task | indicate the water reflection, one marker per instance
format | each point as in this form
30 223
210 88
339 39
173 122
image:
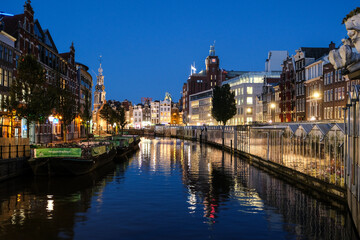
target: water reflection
170 189
41 208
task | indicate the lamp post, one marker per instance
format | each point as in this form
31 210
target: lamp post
272 106
51 119
316 97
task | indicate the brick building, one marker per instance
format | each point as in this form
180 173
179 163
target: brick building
204 80
335 93
31 38
314 89
287 91
303 57
8 63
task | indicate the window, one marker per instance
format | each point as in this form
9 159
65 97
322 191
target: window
10 56
6 77
10 78
331 94
249 90
336 94
249 100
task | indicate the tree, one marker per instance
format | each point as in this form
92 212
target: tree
107 114
86 113
66 107
29 96
223 105
122 119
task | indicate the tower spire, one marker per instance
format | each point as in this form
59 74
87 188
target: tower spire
212 50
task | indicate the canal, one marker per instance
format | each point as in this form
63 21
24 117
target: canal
169 189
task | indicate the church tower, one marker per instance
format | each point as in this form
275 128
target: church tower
99 94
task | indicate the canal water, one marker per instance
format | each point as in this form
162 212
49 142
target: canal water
169 189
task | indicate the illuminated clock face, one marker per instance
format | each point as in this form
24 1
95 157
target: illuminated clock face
213 60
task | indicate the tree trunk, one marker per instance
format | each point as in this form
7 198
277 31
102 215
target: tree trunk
28 128
223 136
64 133
39 132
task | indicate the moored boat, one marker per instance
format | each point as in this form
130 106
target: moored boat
74 159
125 145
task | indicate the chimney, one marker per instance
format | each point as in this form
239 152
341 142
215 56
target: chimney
331 46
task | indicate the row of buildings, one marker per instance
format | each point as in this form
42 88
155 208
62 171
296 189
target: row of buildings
143 115
22 34
301 87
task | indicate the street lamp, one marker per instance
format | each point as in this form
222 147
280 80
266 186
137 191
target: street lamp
51 119
272 106
316 97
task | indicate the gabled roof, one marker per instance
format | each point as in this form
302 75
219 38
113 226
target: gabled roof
11 23
52 44
341 126
314 52
307 127
293 127
323 127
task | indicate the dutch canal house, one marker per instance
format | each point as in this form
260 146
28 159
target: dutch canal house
347 58
30 38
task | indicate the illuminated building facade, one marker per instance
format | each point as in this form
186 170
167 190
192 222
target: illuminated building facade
8 64
31 38
247 87
200 109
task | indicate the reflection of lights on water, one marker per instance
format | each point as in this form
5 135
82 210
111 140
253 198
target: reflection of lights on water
50 205
192 202
189 157
18 217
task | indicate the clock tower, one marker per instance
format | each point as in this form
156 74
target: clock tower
99 94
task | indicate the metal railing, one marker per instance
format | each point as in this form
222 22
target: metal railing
14 151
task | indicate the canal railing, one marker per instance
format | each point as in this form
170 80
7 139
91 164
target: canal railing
14 153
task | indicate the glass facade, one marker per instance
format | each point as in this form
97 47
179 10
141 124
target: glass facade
316 150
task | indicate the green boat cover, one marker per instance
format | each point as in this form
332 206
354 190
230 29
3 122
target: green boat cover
96 151
57 152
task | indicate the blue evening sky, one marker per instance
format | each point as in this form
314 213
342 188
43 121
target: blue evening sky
149 45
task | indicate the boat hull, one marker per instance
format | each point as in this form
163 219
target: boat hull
58 166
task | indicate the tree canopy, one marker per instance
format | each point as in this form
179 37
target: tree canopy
223 104
29 96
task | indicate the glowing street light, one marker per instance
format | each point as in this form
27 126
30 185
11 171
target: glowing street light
316 95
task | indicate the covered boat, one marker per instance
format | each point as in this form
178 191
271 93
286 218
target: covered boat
74 159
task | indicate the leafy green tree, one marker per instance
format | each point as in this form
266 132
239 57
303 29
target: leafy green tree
121 118
107 113
66 107
223 105
86 113
29 97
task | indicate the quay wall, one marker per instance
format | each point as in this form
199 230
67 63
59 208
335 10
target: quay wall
14 153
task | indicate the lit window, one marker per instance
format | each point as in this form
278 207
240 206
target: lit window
249 100
249 90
